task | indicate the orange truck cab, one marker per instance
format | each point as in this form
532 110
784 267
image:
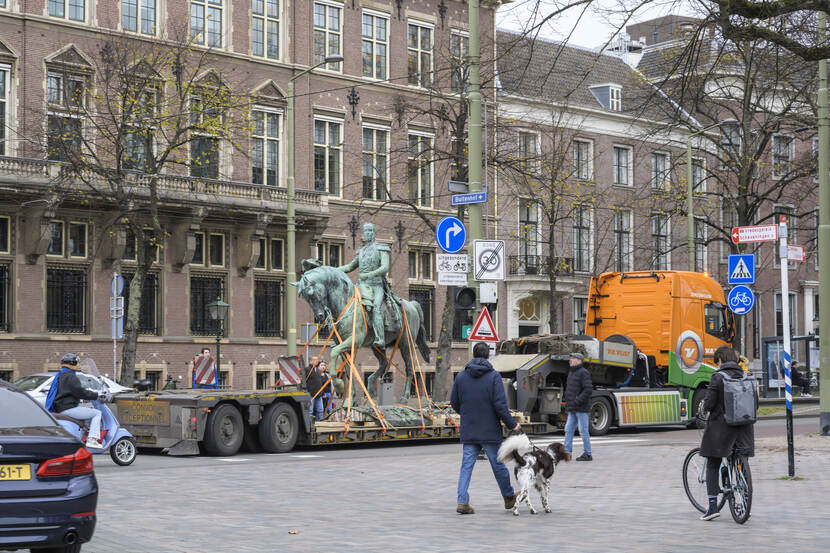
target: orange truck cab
677 318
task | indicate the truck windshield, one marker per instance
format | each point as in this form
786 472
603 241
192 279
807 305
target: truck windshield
715 315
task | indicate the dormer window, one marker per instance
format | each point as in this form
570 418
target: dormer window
615 98
609 95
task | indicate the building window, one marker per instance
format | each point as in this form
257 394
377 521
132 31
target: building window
660 241
73 242
329 253
583 159
779 315
5 288
782 155
580 314
204 149
375 45
659 170
701 253
77 239
459 49
217 250
5 235
271 256
425 297
199 250
622 240
327 147
66 300
265 151
615 98
622 166
56 234
74 10
139 16
265 28
268 304
327 33
66 95
419 51
699 174
529 235
582 222
420 265
419 164
205 290
210 250
528 152
4 103
131 247
375 161
148 311
206 22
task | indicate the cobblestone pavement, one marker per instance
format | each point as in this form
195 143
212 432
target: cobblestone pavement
402 498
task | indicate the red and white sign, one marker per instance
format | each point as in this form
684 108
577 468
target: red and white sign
795 253
204 370
484 330
760 233
290 372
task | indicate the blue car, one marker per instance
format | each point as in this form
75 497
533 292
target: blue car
48 491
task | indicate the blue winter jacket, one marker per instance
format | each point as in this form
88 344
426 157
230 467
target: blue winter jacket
478 396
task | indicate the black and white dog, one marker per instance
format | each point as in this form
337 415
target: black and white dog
534 467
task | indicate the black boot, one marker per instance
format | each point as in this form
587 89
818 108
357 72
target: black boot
712 511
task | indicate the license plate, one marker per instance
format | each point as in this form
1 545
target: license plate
15 472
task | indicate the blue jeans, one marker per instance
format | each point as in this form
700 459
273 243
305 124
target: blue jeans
468 462
317 407
581 419
93 416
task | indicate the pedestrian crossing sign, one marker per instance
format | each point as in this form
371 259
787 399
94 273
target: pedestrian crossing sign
742 268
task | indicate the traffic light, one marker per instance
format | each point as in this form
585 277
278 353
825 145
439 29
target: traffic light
465 299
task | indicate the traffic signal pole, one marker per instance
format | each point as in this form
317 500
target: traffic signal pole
474 164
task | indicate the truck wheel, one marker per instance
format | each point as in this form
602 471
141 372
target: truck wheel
599 420
698 397
223 434
279 428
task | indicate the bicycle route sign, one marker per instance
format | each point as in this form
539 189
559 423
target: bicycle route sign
453 262
741 299
742 268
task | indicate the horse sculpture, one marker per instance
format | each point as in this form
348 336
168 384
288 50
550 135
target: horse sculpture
328 291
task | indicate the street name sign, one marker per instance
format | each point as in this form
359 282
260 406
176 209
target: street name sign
488 259
760 233
471 198
458 187
484 330
742 269
741 299
450 234
795 253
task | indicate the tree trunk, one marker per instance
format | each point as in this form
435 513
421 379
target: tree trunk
144 256
443 359
552 268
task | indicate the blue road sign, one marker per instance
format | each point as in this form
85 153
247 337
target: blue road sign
741 299
450 234
471 198
742 268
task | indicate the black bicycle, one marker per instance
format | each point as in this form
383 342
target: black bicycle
735 484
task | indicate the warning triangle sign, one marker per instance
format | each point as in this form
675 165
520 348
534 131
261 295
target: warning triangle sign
741 271
484 330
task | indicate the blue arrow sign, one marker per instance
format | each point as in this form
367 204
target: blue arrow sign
450 234
471 198
741 299
742 269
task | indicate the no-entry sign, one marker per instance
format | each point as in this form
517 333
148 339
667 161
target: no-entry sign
760 233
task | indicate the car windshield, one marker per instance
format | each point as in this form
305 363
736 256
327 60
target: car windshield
19 410
29 383
89 382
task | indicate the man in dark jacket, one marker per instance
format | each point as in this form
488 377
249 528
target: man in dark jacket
578 390
478 396
720 439
315 379
66 397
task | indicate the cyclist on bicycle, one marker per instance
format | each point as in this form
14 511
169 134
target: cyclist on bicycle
720 439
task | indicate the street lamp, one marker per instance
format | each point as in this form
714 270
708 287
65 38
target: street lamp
690 217
291 292
218 310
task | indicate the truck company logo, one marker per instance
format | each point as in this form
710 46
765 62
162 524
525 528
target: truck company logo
689 351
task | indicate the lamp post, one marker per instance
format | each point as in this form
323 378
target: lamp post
690 217
291 292
823 236
218 310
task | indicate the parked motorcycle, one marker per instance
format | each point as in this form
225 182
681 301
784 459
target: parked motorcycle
116 440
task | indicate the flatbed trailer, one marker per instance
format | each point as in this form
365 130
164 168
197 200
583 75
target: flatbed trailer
221 422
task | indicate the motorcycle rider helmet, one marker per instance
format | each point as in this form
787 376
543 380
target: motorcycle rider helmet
70 359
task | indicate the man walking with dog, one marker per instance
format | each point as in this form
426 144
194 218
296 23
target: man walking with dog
478 396
578 390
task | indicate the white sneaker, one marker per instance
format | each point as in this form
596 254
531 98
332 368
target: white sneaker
93 443
806 395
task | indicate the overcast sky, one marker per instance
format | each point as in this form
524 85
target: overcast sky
594 26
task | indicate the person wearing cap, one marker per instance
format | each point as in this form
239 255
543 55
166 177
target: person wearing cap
578 389
65 395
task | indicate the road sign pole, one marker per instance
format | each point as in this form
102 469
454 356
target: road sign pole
785 318
824 235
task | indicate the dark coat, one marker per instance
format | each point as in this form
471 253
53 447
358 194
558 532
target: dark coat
578 390
719 438
314 381
70 392
478 396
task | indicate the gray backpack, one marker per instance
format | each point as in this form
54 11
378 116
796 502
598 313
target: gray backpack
740 404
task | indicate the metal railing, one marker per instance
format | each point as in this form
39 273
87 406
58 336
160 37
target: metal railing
539 265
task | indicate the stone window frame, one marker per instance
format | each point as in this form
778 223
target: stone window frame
629 168
419 52
375 153
266 138
139 28
374 41
419 159
66 227
267 255
327 5
339 147
65 6
207 5
265 17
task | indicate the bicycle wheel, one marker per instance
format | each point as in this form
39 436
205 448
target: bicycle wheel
740 498
694 479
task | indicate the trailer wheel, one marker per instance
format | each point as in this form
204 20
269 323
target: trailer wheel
698 398
224 431
279 428
599 420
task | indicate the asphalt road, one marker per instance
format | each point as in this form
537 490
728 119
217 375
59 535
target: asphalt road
402 497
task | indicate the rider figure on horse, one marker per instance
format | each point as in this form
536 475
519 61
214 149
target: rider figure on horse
373 261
